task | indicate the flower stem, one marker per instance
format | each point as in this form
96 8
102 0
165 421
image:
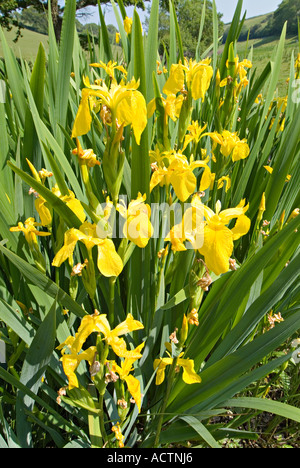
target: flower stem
111 311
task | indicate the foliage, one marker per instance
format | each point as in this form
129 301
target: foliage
271 24
289 11
10 13
189 17
127 319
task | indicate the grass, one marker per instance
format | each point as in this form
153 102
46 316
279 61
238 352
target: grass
263 49
262 53
258 22
27 45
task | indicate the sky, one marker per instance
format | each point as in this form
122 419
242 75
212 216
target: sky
227 7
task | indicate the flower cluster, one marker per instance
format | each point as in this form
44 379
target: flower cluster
73 354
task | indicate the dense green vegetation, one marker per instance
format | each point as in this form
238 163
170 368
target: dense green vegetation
271 24
141 337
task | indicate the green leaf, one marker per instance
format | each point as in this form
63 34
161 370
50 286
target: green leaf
34 276
65 64
140 182
175 26
34 367
10 316
57 204
15 79
197 55
289 150
179 297
105 36
226 371
264 303
264 404
202 430
81 398
124 39
37 83
231 37
12 380
276 67
151 48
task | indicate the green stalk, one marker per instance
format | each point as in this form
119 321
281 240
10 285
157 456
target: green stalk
93 200
111 311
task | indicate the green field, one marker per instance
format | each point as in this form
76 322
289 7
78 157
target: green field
262 52
27 45
264 46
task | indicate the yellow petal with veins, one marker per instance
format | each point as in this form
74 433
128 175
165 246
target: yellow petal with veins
129 325
109 262
134 388
217 247
70 241
175 82
83 118
241 227
189 375
184 183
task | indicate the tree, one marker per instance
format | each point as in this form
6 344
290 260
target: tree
30 18
188 14
288 10
9 9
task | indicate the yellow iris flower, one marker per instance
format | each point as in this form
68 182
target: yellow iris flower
208 233
86 157
218 238
110 68
137 227
172 106
109 262
127 25
45 211
189 375
230 144
132 382
196 133
198 77
190 229
30 231
71 201
238 149
179 173
71 361
96 323
224 180
239 71
125 103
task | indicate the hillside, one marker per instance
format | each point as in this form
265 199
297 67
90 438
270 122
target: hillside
27 45
263 46
257 25
262 52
